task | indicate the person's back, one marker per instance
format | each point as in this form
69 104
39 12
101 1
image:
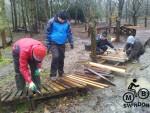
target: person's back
136 50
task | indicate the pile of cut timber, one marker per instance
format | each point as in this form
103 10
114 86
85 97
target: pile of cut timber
112 55
60 86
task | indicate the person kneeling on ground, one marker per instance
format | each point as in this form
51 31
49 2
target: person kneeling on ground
28 51
102 43
133 48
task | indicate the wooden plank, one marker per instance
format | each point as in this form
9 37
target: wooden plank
85 77
98 69
48 88
102 77
107 67
67 83
77 82
18 94
112 58
53 87
62 84
57 85
12 96
72 83
6 96
92 83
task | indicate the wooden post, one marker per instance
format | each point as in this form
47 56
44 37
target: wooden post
3 36
1 109
93 42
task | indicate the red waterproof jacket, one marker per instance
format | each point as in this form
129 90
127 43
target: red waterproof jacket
26 46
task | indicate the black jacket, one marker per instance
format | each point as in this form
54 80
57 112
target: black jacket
103 42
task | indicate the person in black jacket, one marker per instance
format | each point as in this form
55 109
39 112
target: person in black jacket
102 43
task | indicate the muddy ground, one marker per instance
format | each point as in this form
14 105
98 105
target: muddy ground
109 100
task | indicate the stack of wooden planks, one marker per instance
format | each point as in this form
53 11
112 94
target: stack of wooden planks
51 88
111 55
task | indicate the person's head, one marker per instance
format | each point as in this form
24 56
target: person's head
39 52
134 80
62 16
130 40
104 34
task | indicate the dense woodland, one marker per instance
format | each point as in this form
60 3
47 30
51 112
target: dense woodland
31 15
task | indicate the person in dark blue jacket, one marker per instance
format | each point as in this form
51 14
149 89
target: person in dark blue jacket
102 43
58 33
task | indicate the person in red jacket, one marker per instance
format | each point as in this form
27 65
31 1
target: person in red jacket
28 52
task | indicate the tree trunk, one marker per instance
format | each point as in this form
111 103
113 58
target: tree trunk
23 15
93 42
3 35
12 14
134 18
15 15
118 30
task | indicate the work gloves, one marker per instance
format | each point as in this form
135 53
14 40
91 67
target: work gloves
32 86
37 72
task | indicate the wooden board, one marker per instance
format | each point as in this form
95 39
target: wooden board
112 55
96 84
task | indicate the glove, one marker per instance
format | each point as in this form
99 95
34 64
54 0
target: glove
37 72
32 86
71 46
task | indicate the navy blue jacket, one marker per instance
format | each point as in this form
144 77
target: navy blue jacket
103 42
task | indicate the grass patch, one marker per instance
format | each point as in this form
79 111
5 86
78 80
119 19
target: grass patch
5 61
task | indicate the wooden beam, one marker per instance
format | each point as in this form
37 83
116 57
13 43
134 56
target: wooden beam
107 67
101 76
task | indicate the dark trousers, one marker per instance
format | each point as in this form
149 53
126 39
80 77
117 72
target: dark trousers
20 81
58 55
101 49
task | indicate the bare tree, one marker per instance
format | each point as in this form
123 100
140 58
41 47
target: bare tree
134 8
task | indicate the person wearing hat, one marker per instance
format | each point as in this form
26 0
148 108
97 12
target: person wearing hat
28 52
58 32
133 48
102 43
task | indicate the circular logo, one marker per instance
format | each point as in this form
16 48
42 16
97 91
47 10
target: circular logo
143 93
128 97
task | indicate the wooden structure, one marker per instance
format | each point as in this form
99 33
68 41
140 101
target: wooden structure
63 85
107 29
112 55
128 29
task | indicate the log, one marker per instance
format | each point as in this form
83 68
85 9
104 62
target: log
107 67
87 82
102 77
